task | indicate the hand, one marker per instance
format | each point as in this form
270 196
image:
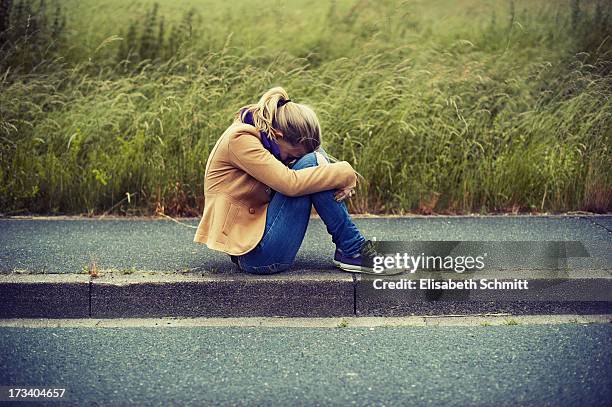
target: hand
342 194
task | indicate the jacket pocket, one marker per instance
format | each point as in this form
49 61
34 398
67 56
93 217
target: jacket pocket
230 219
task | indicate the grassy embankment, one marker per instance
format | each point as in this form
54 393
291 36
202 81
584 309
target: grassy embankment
444 106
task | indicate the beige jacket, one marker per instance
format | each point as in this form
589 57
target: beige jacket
239 176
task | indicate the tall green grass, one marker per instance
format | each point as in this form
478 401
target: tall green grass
444 106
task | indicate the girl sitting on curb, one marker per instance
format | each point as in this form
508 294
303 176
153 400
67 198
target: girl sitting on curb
261 179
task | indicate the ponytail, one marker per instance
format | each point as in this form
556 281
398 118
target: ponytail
297 122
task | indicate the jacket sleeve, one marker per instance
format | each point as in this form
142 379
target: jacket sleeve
247 153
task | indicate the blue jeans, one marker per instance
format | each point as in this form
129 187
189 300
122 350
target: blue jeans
286 222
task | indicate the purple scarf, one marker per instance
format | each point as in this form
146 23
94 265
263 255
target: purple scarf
270 145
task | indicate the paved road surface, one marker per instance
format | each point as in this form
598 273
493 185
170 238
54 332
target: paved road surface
541 365
67 246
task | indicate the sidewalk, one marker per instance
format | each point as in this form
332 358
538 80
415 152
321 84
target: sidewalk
150 268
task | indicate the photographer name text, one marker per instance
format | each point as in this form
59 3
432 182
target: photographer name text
449 284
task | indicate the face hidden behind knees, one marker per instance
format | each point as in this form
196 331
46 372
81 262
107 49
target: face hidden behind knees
290 152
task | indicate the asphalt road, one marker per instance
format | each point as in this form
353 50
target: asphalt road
68 246
542 365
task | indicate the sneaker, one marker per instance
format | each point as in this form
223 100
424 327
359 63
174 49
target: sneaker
354 264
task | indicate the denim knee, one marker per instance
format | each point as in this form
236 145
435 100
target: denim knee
308 160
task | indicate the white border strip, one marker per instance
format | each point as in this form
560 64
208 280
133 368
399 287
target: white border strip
482 320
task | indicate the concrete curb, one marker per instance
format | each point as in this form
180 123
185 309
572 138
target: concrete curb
44 295
237 295
299 294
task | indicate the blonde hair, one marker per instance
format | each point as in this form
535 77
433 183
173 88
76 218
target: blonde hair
297 122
